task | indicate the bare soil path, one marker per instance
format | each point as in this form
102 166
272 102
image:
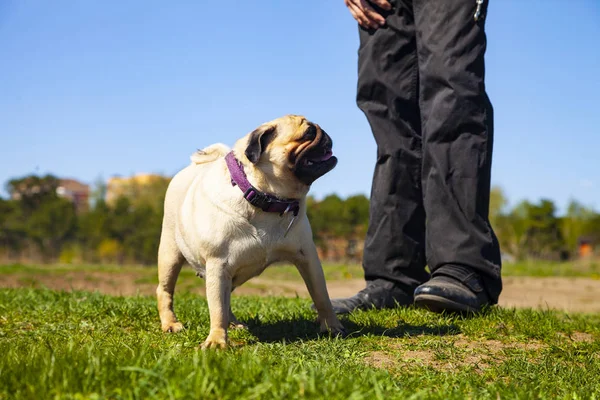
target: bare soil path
560 293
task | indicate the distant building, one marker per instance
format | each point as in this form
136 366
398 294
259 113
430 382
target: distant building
131 187
75 191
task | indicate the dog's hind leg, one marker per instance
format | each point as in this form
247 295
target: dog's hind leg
233 321
170 261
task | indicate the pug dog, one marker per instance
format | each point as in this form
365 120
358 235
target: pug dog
233 212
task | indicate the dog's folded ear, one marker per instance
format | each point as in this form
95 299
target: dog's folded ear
258 141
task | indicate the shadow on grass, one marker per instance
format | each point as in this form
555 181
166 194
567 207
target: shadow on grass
307 329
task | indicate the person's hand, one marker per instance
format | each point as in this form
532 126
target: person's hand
366 16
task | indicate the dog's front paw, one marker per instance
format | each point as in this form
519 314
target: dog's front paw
172 327
215 340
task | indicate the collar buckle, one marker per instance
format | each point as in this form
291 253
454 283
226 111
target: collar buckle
257 199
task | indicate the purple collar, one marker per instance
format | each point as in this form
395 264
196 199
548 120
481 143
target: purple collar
264 201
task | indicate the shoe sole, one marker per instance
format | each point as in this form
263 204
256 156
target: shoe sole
441 304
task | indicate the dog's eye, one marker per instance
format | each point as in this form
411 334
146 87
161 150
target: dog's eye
311 133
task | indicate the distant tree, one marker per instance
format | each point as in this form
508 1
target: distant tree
33 190
511 230
38 215
50 225
357 214
333 216
316 222
121 221
543 237
94 227
13 230
591 228
576 223
498 203
98 194
141 244
530 231
37 222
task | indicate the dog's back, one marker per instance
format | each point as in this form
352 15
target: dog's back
182 180
210 153
179 185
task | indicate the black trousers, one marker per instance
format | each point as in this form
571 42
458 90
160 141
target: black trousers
421 87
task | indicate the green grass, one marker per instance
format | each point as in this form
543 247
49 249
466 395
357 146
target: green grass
87 345
280 272
148 274
589 269
333 272
54 269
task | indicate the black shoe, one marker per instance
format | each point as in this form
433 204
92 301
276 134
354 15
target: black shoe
378 294
453 291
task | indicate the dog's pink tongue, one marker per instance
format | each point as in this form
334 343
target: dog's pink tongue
325 156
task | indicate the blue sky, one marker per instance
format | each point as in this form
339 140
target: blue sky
91 89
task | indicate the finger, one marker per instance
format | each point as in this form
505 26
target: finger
385 4
354 14
371 14
360 16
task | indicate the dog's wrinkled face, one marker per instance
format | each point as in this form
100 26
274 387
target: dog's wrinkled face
292 144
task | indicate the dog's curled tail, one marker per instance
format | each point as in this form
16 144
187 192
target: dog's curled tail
210 153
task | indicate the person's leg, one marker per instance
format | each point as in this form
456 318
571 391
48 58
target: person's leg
462 250
388 85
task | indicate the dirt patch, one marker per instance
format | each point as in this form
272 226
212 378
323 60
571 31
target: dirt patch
130 283
565 294
384 360
118 284
458 353
578 337
559 293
